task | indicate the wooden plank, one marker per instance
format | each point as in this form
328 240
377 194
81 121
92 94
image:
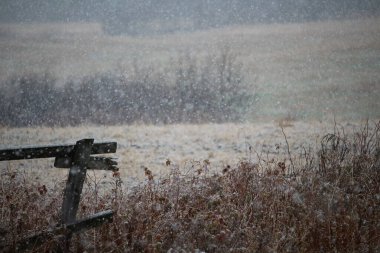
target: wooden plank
91 221
76 227
104 148
95 163
102 163
53 151
74 184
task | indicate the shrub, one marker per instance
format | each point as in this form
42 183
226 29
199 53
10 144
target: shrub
192 91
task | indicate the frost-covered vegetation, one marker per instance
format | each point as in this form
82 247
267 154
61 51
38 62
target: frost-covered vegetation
191 90
327 200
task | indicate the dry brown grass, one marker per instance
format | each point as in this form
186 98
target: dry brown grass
329 201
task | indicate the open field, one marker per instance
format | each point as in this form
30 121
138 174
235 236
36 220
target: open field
150 146
235 186
303 71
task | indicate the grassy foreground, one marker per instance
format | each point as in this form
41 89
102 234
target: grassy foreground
315 201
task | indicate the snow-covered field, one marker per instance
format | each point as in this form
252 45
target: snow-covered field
141 146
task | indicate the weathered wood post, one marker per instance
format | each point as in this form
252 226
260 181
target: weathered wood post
74 184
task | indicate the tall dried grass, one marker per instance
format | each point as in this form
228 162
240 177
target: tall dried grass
329 202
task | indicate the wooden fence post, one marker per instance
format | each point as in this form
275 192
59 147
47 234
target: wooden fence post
74 184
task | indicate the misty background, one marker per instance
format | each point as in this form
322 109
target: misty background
157 16
203 61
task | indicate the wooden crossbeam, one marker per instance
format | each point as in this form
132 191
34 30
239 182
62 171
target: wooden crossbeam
95 163
91 221
75 227
53 151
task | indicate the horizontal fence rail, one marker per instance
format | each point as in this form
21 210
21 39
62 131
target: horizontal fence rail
76 227
53 151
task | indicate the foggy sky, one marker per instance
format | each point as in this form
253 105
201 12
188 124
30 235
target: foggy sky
195 14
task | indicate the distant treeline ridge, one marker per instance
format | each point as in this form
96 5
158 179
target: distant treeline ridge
135 17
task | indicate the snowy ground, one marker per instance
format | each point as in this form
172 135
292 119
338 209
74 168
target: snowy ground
141 146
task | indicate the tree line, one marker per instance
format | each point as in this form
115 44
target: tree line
193 92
